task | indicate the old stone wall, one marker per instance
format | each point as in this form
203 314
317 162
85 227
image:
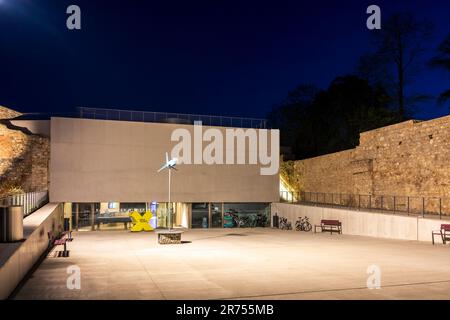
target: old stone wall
6 113
407 159
24 158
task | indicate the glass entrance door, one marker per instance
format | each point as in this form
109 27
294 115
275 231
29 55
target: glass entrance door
216 215
200 215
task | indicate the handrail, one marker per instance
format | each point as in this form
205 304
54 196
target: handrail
30 201
150 116
410 205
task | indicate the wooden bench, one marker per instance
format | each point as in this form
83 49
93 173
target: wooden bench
329 226
53 241
108 219
443 232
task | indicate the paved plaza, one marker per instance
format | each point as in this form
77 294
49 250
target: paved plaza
241 264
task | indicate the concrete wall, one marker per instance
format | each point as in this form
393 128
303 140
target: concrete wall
406 159
364 223
18 258
104 161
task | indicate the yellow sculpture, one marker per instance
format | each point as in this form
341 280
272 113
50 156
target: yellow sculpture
141 222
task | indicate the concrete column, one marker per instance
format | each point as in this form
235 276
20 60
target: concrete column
92 216
77 214
223 207
209 216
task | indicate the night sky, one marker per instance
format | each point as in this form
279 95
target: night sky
211 57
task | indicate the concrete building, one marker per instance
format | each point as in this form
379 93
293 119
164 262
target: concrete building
103 164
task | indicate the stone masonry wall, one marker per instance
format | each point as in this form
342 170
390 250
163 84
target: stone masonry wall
406 159
6 113
24 158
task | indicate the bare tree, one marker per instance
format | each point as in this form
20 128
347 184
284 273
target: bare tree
400 44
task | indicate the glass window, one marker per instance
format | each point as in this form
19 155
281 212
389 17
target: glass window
246 215
112 205
200 213
216 215
129 206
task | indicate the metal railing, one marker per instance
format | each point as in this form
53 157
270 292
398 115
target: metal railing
166 117
409 205
30 201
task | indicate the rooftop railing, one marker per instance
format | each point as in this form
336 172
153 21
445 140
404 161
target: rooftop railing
166 117
30 201
408 205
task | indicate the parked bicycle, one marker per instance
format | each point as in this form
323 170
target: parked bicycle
261 220
238 222
302 224
284 224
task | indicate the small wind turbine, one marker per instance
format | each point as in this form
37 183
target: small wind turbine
170 164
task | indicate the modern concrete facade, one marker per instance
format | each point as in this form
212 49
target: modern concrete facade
105 161
107 168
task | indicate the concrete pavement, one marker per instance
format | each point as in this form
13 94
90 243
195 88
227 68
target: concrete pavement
242 264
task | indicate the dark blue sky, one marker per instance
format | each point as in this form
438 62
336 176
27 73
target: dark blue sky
213 57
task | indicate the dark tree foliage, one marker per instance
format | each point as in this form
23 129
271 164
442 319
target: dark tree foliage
316 122
442 60
400 45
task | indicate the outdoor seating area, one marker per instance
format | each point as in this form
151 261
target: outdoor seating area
60 240
443 232
329 226
169 236
259 263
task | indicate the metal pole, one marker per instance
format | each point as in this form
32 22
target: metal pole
423 207
394 204
169 207
407 206
440 208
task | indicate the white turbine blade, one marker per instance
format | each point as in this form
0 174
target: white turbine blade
167 157
162 168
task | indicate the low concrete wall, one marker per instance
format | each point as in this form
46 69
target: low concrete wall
17 259
363 223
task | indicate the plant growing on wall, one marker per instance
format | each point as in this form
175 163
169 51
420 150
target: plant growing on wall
10 189
290 174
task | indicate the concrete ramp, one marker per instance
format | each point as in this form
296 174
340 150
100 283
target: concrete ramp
364 223
16 259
